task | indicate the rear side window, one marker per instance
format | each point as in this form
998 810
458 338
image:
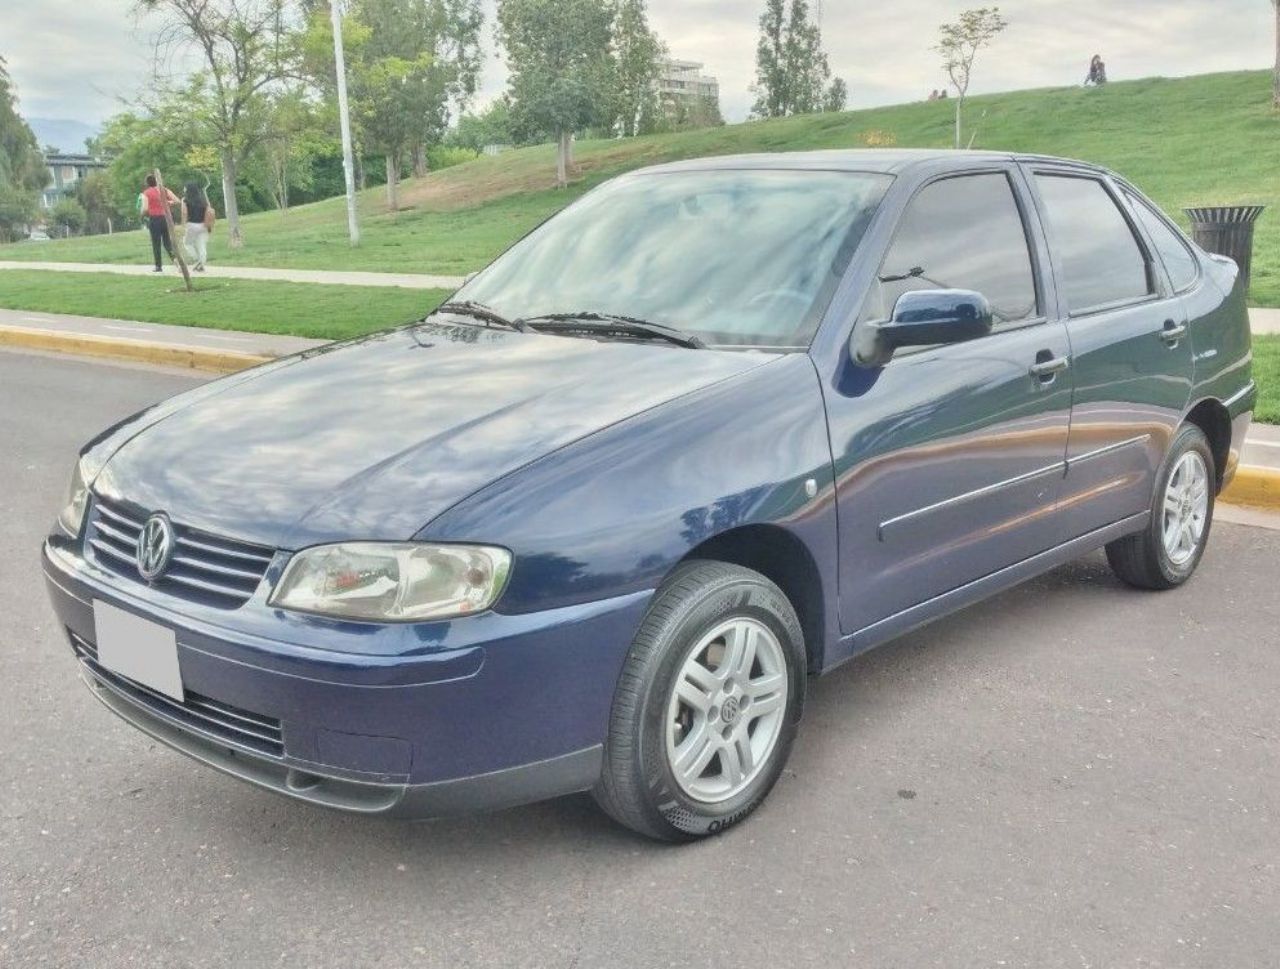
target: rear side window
1176 255
1102 261
964 232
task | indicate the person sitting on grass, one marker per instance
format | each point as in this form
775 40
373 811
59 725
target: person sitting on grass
157 221
1097 72
198 216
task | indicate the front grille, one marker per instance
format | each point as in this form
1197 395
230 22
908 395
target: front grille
200 713
208 568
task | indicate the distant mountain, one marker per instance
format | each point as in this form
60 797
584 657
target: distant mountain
65 135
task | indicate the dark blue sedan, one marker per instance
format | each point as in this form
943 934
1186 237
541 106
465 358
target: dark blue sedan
714 428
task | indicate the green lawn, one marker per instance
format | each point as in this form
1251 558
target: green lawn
296 309
1200 140
1266 371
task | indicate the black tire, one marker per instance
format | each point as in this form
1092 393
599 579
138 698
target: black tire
637 787
1141 560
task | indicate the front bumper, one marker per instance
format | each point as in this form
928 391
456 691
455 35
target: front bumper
482 713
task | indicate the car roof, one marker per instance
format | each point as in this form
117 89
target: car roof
890 161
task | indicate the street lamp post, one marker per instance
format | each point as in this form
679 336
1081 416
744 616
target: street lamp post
344 114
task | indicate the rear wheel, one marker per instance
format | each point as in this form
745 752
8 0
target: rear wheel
707 704
1166 553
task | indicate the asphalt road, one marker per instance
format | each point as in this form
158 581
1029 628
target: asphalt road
1070 775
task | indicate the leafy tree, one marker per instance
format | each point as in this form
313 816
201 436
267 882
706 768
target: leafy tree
639 52
688 114
562 68
959 43
492 126
94 193
245 47
392 97
22 170
70 213
837 96
792 71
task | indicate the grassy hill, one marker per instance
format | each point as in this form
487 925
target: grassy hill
1210 139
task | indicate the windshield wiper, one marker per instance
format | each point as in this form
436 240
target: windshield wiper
605 323
479 311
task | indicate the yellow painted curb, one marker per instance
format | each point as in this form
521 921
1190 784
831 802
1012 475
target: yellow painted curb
1252 485
137 351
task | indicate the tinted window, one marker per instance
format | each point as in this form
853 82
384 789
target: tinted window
1100 256
737 257
963 233
1174 252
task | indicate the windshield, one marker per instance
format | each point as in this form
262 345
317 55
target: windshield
743 258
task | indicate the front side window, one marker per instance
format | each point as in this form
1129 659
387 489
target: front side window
1102 262
1176 255
735 257
964 232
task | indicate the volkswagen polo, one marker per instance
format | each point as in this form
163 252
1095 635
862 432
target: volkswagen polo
716 427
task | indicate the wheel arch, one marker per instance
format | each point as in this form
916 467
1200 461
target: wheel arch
788 563
1212 417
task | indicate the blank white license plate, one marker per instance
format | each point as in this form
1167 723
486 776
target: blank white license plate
145 652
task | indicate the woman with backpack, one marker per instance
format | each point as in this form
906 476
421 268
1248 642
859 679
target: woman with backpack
199 217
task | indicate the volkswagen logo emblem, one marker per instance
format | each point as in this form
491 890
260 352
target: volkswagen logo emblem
155 546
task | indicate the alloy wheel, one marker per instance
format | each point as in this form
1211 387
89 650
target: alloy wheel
1186 508
726 710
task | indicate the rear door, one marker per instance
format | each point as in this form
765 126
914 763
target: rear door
949 458
1131 351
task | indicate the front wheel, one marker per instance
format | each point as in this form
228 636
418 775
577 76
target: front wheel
707 705
1167 551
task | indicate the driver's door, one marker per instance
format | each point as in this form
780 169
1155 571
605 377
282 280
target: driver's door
949 459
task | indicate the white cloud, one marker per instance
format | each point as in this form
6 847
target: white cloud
76 58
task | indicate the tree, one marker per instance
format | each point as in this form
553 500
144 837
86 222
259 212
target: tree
245 48
492 126
447 32
561 68
959 43
22 170
837 96
639 52
792 71
69 213
393 98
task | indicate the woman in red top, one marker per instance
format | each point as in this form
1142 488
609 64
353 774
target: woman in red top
156 202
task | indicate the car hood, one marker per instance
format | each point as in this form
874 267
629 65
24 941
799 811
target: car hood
373 438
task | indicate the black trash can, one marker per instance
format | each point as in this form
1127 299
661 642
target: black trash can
1228 231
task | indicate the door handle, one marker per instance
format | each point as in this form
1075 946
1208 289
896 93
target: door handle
1173 332
1046 370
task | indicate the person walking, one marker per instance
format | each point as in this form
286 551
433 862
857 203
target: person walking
157 223
198 216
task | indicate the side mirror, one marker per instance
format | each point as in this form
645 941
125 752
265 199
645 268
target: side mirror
924 317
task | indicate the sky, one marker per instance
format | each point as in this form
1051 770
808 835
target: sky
77 59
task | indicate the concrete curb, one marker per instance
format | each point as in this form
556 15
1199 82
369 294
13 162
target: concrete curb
1254 486
136 351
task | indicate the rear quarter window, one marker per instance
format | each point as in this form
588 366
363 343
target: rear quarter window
1175 253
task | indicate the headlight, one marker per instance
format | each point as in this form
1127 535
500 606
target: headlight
71 517
400 582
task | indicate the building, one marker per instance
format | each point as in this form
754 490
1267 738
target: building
64 172
684 80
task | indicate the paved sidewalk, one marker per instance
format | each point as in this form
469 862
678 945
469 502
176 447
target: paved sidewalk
324 277
1264 321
